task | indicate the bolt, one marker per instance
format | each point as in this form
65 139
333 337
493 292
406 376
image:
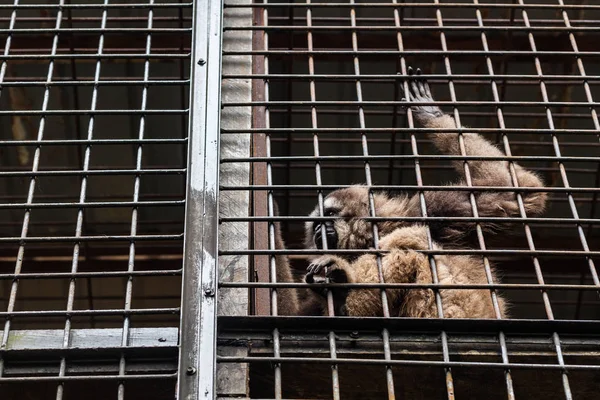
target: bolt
162 339
354 335
201 61
190 370
208 292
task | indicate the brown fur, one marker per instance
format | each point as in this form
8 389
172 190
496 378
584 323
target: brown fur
287 299
404 263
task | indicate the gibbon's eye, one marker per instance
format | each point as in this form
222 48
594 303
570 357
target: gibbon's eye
329 212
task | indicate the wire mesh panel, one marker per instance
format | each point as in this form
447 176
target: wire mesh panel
93 121
334 104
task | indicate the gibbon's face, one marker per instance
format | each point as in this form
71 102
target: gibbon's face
347 229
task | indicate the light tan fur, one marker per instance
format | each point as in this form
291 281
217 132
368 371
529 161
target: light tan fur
402 240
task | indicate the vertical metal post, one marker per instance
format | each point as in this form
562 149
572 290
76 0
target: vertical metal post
197 361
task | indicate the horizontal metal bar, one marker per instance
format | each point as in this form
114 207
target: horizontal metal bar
104 31
525 131
387 157
416 188
95 56
100 238
84 313
160 363
406 286
93 112
397 77
413 130
231 324
407 28
91 172
416 5
86 82
96 6
96 274
391 111
407 363
410 103
90 142
475 252
94 204
516 220
302 52
97 339
79 378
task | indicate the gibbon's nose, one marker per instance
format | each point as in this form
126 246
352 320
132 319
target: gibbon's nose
330 235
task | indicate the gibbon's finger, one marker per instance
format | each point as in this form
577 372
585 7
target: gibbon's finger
423 88
419 88
427 90
313 269
410 71
414 90
418 71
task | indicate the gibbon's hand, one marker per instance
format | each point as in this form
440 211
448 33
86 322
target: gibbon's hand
333 267
418 90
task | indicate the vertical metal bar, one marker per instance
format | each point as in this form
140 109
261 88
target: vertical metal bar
413 141
12 298
369 181
134 211
501 335
197 357
594 114
270 212
335 379
82 197
563 174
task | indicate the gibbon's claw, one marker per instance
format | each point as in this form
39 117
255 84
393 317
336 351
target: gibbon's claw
316 267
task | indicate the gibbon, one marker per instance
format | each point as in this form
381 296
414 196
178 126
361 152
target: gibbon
401 241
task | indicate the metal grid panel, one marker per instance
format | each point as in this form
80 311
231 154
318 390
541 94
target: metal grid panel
328 79
93 114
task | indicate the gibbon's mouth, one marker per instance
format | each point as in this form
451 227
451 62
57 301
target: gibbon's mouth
331 235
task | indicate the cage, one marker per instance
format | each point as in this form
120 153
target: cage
152 150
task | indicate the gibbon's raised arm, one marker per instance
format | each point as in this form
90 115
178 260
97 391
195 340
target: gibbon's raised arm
483 173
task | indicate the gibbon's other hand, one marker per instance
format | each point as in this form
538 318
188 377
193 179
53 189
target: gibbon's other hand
331 265
418 90
335 269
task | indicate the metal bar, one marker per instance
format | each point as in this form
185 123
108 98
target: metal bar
414 5
515 252
79 223
507 286
268 176
134 211
335 380
35 165
431 326
197 358
34 340
445 364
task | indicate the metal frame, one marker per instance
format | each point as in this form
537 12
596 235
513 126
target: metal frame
197 361
81 65
295 46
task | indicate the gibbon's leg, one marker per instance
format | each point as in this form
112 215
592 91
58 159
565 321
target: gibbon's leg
483 173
